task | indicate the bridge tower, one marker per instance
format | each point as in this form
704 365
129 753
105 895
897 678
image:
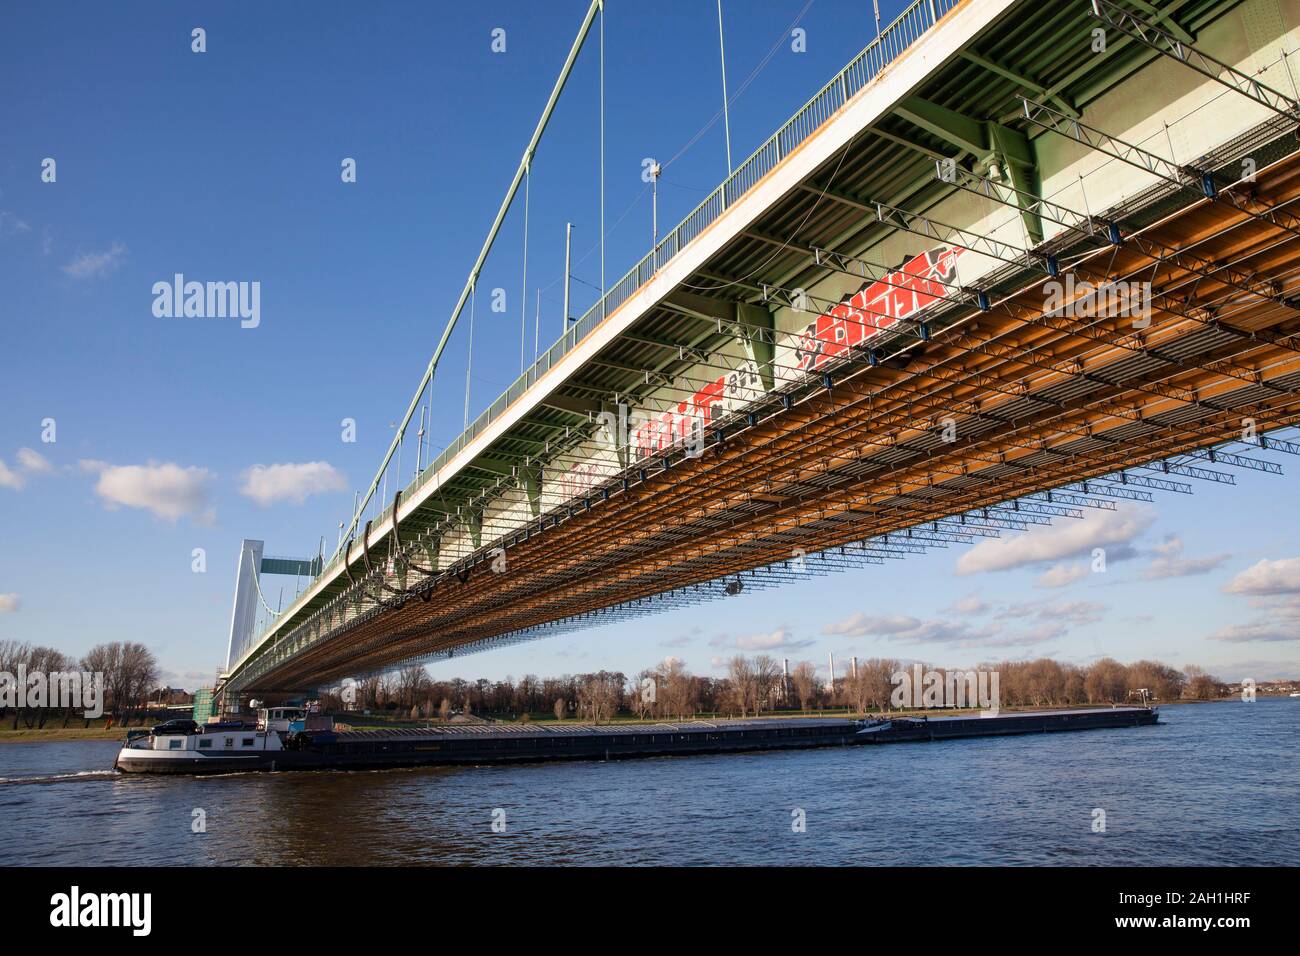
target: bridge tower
243 615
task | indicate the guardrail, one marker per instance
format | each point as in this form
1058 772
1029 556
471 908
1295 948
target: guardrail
893 41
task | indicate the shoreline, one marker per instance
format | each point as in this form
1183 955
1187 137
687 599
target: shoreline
64 734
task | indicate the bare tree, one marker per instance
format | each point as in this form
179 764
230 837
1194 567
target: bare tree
804 678
599 695
1107 681
643 704
1200 685
674 689
767 678
744 685
559 708
410 681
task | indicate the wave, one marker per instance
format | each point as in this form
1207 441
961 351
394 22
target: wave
60 777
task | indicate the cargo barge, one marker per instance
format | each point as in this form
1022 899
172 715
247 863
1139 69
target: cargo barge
226 749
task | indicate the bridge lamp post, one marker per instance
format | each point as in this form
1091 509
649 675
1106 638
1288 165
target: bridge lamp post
655 170
568 244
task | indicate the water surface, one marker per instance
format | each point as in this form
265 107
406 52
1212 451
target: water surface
1213 784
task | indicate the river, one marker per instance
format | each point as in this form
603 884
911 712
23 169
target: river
1212 784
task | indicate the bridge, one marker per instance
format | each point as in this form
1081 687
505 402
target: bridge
1014 262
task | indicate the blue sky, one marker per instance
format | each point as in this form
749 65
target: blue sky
225 166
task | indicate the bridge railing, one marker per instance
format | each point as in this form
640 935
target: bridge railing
892 42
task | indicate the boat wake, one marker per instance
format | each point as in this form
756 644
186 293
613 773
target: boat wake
59 777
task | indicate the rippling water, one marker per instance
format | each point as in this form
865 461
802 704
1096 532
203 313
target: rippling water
1213 784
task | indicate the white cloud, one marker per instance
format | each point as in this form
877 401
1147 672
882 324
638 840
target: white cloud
1265 629
681 640
268 484
28 463
11 225
8 602
970 604
911 630
780 639
1059 575
1268 577
1072 612
1274 587
96 265
1066 539
33 462
166 490
1039 634
1281 623
1170 563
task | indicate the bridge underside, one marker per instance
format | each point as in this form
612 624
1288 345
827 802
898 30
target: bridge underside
989 396
1038 404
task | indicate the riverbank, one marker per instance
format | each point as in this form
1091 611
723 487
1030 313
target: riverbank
52 734
98 731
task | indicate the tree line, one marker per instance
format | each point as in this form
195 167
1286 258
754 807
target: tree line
130 675
752 686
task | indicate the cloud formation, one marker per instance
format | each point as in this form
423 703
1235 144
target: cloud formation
906 629
780 639
1274 587
1053 621
11 225
1268 577
1059 575
165 489
1170 563
1066 539
269 484
28 463
96 265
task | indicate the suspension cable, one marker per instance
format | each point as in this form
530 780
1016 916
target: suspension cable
469 362
602 159
257 581
523 292
726 115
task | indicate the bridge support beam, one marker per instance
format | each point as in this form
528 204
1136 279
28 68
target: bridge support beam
758 331
530 477
999 151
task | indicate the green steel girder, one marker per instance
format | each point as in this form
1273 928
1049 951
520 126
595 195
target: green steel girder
572 405
994 146
308 567
1165 19
758 329
1008 73
532 481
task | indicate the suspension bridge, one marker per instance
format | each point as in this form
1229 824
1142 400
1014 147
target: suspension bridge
1015 262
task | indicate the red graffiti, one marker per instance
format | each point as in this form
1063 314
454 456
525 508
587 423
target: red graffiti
877 306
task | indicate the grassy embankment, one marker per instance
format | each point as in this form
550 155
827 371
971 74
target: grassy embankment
55 731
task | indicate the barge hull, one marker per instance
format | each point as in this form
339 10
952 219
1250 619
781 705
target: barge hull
458 746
